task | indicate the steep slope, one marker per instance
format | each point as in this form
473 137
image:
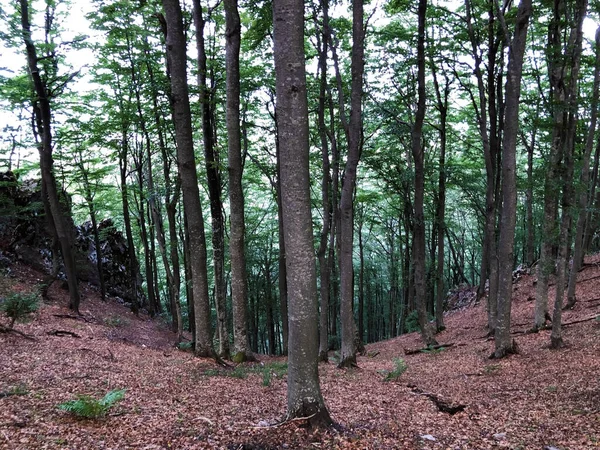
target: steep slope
540 398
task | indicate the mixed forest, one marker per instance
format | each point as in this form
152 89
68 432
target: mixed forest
297 179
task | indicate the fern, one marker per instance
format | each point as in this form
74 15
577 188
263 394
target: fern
88 407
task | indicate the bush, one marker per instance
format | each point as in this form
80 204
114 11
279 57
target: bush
399 369
88 407
18 305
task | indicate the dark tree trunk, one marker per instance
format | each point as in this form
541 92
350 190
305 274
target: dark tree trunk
176 55
42 109
503 341
418 157
213 174
355 136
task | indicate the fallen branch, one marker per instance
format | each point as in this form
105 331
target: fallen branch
594 317
8 394
427 349
441 404
4 329
63 333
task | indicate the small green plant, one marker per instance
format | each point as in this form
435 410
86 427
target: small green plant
115 321
266 377
433 351
18 305
185 346
400 367
88 407
279 369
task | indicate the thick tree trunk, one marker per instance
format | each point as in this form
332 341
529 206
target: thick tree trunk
503 341
176 54
304 393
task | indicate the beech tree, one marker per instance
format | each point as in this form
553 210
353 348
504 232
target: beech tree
304 397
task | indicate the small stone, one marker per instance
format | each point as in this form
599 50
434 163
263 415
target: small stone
428 437
500 436
263 423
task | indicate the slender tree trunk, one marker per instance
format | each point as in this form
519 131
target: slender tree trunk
239 288
176 55
42 109
585 179
355 136
503 341
304 393
418 157
213 173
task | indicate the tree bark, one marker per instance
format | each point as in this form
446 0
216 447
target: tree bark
304 393
239 288
503 341
213 174
43 111
418 157
176 54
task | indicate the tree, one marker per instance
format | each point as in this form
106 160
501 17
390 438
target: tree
304 397
176 58
418 157
239 288
43 128
516 51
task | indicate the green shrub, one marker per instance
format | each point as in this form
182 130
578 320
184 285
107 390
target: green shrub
88 407
18 305
400 367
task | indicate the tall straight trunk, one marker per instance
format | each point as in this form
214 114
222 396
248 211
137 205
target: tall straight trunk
239 287
283 296
322 253
355 136
361 283
43 111
503 341
564 70
176 56
585 179
418 157
304 397
442 106
574 50
213 174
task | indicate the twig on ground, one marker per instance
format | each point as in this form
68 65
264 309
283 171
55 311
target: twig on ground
427 349
63 333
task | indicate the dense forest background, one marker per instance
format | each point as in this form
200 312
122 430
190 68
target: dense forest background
422 132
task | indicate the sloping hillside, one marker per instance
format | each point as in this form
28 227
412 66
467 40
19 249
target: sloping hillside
538 399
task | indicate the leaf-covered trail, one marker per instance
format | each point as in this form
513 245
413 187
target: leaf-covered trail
535 399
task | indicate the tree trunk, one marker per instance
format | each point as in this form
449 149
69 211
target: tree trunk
503 341
213 174
418 157
176 55
239 288
42 110
585 179
304 393
355 136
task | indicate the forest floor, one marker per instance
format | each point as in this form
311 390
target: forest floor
537 399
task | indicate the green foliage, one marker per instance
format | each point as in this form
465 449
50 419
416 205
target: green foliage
400 367
185 346
18 305
88 407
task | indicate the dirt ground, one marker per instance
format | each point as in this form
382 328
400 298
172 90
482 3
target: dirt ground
537 399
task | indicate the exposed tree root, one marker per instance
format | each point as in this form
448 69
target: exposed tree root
427 349
442 405
63 333
4 329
